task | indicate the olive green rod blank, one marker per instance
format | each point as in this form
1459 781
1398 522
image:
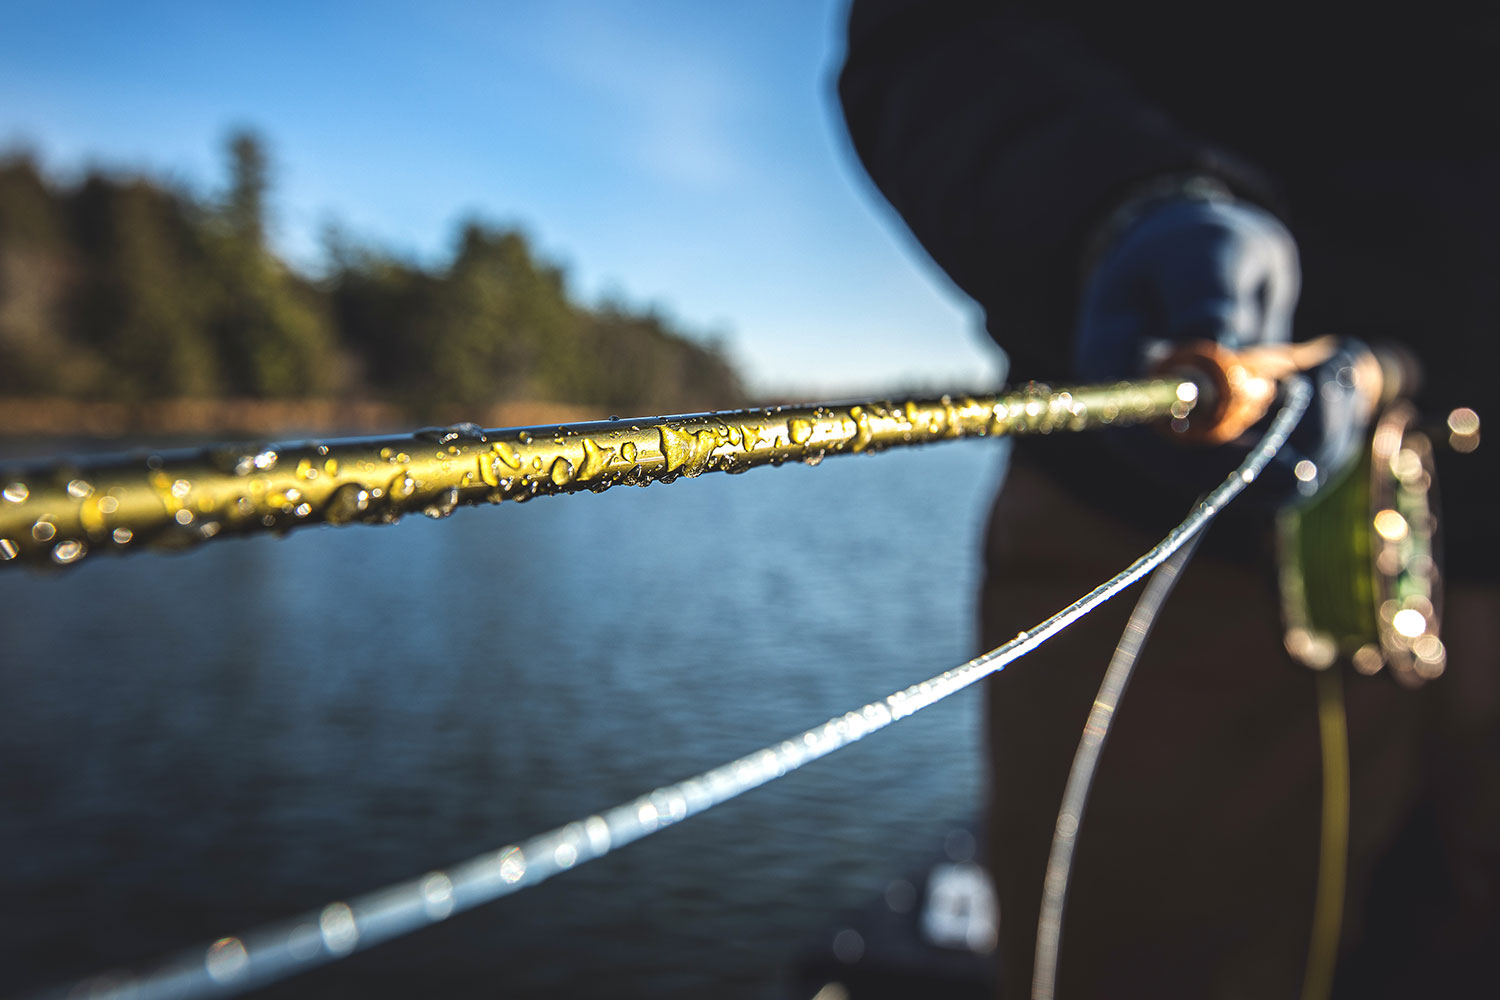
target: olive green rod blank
57 512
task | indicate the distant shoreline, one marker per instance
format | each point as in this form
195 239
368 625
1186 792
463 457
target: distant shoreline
50 415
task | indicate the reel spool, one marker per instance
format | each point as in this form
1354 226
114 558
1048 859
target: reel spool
1359 569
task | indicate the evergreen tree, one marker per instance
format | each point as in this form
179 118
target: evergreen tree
140 302
37 272
273 332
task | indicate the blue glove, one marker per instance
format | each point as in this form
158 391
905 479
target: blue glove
1219 270
1187 270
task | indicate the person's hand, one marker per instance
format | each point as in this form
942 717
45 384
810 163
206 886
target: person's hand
1220 270
1187 270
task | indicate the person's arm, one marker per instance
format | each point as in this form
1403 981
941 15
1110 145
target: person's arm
1005 143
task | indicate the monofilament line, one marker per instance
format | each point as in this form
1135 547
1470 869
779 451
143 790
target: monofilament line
1086 760
232 965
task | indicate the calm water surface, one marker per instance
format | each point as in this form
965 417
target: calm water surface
194 744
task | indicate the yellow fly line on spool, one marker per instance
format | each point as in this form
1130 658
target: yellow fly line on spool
1360 574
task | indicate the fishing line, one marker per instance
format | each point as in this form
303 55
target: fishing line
1333 847
232 965
1086 761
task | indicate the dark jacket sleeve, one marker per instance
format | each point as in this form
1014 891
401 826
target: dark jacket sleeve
1003 140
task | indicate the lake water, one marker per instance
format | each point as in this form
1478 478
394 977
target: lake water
194 744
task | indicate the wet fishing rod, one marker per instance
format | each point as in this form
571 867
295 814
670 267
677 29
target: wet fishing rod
1370 533
1372 536
60 511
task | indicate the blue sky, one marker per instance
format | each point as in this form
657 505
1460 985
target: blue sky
684 155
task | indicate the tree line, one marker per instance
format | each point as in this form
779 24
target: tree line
123 288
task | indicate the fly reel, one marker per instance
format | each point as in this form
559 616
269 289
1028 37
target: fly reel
1359 561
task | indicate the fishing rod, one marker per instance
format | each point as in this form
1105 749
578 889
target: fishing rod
1371 533
57 512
